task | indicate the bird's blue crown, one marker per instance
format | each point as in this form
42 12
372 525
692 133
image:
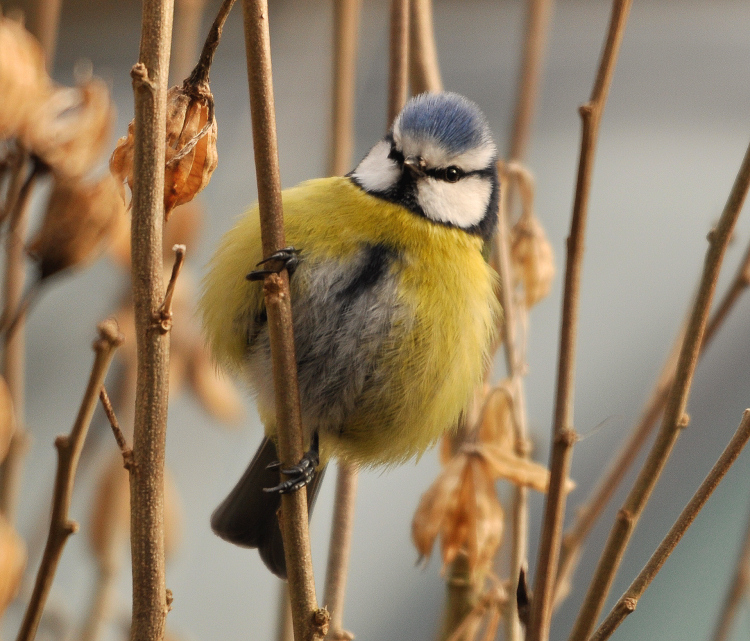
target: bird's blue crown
449 119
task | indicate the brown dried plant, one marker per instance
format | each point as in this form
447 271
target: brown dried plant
7 418
12 563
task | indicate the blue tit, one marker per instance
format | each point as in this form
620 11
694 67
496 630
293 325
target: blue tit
393 306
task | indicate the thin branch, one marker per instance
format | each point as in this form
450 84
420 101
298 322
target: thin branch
588 514
564 436
674 414
68 452
150 74
398 66
737 591
339 549
516 369
127 452
309 621
45 26
629 600
165 309
424 69
101 603
199 75
14 352
345 35
538 17
188 16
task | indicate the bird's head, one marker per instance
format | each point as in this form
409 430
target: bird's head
438 161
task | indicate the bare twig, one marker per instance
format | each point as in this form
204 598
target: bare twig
588 514
46 24
150 74
538 15
199 75
309 621
345 34
424 70
188 16
463 597
629 600
14 352
339 548
165 309
674 414
284 627
398 68
127 452
563 437
68 452
737 592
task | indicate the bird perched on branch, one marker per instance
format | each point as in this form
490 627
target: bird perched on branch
393 307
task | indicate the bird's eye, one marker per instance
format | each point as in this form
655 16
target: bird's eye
452 174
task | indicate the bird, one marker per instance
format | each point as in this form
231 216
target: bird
393 304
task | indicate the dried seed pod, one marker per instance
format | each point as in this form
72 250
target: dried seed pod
462 507
71 129
7 419
504 463
109 530
80 218
12 563
496 426
24 83
532 259
190 152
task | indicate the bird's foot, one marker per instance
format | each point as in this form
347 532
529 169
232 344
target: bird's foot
287 258
300 474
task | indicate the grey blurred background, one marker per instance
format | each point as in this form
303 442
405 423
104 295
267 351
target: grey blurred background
672 138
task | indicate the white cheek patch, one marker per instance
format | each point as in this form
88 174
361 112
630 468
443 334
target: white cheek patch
377 172
462 204
475 159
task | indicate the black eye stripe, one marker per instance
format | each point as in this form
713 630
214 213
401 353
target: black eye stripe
439 173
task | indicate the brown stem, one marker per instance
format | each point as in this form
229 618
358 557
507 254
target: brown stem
464 590
14 352
150 76
339 549
398 66
629 600
199 76
127 452
309 621
737 592
45 26
165 309
538 16
284 627
345 34
188 16
68 452
592 509
674 414
515 368
564 436
101 602
424 69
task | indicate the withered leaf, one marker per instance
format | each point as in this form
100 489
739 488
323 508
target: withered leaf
505 464
532 259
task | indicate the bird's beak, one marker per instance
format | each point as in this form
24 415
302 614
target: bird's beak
415 164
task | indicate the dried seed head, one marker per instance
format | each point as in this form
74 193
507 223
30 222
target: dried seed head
71 129
110 517
190 153
12 563
504 463
496 426
24 83
462 507
532 259
7 419
79 221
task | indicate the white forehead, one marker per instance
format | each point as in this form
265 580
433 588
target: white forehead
435 155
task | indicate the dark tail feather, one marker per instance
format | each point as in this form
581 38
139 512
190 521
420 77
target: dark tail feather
247 517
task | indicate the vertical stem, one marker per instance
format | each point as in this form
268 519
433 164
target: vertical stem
101 602
307 619
339 549
150 75
345 32
284 628
188 17
14 352
398 68
45 27
424 69
563 435
538 15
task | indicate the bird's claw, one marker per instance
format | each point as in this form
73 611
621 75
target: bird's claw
300 474
287 258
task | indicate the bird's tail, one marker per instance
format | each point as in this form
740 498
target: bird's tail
247 517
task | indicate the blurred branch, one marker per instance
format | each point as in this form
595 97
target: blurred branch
424 69
564 436
68 452
588 514
345 36
188 18
629 600
398 66
309 621
46 23
675 418
150 75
